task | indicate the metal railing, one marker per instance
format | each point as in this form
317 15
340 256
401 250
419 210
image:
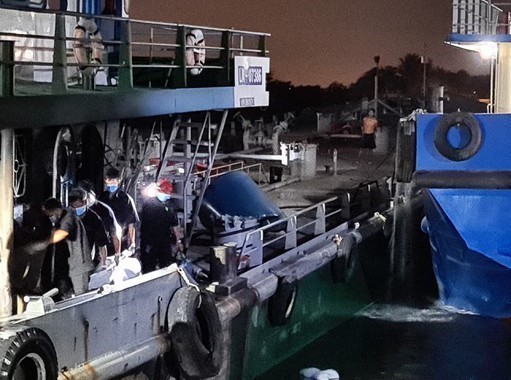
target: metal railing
480 17
218 171
308 223
136 52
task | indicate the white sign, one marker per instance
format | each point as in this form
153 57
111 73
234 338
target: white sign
250 81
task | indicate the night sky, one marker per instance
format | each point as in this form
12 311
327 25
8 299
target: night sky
322 41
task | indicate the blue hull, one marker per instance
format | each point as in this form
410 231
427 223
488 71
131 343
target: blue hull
467 279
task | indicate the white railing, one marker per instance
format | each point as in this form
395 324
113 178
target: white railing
45 41
217 171
309 222
480 17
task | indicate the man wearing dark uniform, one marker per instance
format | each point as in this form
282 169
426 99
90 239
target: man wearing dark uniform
123 207
107 216
159 230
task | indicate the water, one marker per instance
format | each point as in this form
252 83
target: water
402 342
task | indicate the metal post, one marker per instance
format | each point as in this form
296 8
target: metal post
7 68
441 98
180 79
335 161
491 105
6 185
377 61
59 72
125 59
6 218
423 59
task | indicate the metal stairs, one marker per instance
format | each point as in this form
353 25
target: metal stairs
191 143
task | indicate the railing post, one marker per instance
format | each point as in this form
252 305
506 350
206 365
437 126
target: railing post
180 79
125 57
291 233
59 70
6 68
262 46
320 225
225 58
256 254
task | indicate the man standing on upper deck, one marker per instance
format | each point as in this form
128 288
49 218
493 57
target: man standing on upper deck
123 207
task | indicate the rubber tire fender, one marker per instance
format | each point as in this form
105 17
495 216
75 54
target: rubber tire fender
446 123
281 304
195 333
29 350
342 266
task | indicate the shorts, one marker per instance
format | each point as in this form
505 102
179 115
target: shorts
368 141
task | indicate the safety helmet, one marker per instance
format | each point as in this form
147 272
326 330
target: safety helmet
165 187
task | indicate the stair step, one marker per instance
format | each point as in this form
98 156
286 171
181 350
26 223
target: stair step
183 124
192 142
187 159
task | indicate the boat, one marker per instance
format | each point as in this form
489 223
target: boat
462 165
82 90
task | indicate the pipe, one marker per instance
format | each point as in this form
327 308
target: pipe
119 362
451 179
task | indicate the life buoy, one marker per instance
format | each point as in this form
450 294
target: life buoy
195 333
195 52
282 303
343 265
88 26
458 119
27 353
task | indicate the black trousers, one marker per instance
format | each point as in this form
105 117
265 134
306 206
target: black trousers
159 254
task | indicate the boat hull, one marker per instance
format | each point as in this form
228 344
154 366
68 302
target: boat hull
471 265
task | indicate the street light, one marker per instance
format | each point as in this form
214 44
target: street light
377 62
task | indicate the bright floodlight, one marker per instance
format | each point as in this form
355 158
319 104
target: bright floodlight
488 50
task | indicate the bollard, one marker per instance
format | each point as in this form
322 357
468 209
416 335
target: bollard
224 270
223 263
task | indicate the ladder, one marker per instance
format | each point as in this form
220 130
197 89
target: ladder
184 145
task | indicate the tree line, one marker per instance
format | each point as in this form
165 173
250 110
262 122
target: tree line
404 80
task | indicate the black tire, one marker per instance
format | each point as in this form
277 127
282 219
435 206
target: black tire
27 353
405 153
282 303
195 333
342 267
458 119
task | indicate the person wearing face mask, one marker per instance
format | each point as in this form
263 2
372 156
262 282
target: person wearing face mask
123 207
160 235
30 251
96 239
107 216
55 272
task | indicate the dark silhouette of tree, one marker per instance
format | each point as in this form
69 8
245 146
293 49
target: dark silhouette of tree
404 80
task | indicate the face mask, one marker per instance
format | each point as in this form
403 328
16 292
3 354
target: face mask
54 219
112 188
80 210
163 197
